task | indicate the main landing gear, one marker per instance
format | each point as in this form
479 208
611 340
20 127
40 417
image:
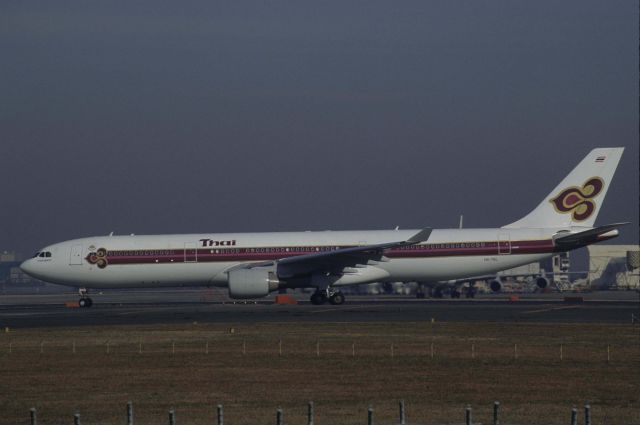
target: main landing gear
470 292
322 296
85 301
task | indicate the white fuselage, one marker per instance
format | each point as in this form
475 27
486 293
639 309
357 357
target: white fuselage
252 264
204 259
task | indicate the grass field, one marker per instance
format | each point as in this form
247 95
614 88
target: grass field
437 368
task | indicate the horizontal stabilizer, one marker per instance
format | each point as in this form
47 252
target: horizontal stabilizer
580 239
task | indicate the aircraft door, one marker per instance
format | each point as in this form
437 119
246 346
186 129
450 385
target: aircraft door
190 252
75 258
504 244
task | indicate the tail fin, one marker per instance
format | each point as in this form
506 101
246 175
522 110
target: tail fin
576 201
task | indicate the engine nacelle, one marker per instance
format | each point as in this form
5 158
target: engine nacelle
252 283
542 282
495 285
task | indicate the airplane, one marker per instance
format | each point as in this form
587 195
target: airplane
251 265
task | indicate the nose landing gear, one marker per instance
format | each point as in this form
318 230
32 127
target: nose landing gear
85 301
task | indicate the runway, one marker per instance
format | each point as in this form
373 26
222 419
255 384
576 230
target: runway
182 307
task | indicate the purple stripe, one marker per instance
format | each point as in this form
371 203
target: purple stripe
246 254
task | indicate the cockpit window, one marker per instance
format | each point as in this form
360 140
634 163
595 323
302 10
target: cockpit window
43 254
37 254
47 254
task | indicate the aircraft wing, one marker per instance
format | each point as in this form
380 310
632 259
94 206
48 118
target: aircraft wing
338 259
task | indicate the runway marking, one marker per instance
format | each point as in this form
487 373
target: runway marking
325 310
145 310
545 310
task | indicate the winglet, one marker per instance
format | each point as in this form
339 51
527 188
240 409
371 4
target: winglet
421 236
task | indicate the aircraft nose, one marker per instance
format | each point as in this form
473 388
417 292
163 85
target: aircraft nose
27 266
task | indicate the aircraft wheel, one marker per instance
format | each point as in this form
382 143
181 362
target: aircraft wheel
85 302
318 298
455 294
337 298
420 294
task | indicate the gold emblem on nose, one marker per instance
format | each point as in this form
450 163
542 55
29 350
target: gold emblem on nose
99 258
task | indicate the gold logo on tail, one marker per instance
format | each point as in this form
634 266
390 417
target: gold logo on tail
578 200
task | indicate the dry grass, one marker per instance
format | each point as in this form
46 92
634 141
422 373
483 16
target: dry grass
537 387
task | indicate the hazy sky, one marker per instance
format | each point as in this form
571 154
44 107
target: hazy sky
174 117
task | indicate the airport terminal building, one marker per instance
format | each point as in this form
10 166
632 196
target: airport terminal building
614 267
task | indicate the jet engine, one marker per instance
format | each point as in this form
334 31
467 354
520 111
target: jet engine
542 282
495 285
252 283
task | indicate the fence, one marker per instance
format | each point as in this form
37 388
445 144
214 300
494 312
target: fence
442 350
279 417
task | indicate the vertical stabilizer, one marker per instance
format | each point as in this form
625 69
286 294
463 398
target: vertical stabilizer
576 201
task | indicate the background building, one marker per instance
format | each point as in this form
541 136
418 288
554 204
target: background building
614 266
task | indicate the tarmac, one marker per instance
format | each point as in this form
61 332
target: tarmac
202 306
